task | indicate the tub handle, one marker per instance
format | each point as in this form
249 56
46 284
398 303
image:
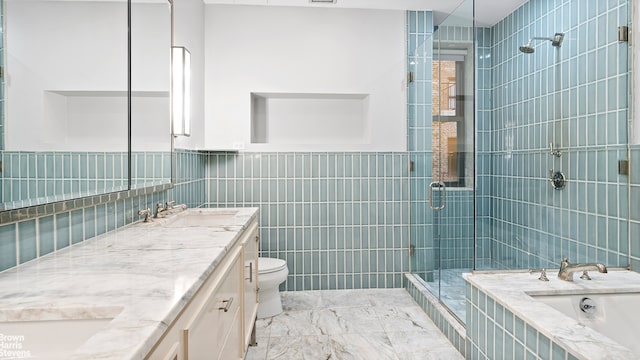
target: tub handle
543 274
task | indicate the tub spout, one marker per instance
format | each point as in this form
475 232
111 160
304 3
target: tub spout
567 270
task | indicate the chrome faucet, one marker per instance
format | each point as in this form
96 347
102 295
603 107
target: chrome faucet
159 210
168 206
567 270
554 151
146 213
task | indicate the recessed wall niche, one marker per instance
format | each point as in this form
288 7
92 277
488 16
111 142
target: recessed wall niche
289 118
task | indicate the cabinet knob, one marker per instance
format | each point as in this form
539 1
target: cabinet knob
227 304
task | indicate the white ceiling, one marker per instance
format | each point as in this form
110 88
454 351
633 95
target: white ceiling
488 12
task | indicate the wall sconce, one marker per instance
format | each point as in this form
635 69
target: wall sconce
181 91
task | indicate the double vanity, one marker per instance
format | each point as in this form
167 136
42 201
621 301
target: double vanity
175 288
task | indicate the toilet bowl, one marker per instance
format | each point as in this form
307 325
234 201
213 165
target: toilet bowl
271 273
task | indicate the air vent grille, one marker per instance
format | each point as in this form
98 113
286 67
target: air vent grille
323 1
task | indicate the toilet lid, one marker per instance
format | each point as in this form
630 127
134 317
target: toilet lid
269 265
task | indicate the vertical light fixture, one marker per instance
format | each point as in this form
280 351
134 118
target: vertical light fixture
181 91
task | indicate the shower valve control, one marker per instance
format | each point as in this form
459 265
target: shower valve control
557 179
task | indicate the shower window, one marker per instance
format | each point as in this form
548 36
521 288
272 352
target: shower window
448 120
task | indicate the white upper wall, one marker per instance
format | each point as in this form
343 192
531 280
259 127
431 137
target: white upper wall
298 50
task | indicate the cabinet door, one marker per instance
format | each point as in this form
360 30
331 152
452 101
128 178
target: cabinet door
167 351
212 329
250 282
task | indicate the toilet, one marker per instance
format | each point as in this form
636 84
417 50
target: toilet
271 273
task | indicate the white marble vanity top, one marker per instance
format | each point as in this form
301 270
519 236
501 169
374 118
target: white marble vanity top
141 276
512 289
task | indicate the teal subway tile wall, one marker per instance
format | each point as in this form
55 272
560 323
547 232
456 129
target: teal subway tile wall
340 220
484 233
31 178
455 223
150 168
574 97
445 241
27 240
634 209
494 332
419 129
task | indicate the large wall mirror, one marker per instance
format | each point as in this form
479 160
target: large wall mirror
86 107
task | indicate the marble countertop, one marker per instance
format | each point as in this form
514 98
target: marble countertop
141 276
512 289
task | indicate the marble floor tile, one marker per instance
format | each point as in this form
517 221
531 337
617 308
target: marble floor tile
348 298
368 346
405 319
375 324
301 300
300 347
412 345
302 323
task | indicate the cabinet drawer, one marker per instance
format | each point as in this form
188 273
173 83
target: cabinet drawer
213 321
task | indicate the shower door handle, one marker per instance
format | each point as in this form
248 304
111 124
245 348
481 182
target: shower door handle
440 185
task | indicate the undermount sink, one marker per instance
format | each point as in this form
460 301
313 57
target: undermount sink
203 219
50 339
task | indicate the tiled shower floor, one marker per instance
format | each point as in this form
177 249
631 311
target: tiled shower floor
452 289
350 324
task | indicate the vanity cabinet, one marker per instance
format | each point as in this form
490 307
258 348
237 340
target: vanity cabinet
211 332
250 246
218 322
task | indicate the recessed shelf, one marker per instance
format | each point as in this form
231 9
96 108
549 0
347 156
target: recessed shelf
304 118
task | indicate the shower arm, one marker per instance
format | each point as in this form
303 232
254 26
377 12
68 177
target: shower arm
556 40
540 38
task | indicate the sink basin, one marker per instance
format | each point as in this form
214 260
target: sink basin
51 333
203 219
50 339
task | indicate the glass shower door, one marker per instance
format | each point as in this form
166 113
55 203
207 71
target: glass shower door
452 187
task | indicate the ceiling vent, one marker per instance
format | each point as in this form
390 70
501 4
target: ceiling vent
322 1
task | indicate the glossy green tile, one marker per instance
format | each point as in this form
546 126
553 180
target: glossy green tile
8 241
63 230
46 229
27 240
77 226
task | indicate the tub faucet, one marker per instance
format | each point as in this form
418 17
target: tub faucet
159 210
567 270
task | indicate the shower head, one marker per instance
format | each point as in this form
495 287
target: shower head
527 49
556 41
